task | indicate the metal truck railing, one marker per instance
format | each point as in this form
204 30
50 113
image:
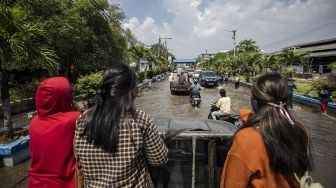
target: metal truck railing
194 140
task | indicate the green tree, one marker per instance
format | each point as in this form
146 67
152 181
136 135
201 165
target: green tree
272 63
249 58
85 34
21 44
291 57
332 66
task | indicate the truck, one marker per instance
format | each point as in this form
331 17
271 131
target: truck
175 87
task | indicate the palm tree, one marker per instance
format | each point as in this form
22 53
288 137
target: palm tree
21 42
272 63
291 57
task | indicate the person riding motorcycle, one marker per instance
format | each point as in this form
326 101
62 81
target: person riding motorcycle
224 105
195 90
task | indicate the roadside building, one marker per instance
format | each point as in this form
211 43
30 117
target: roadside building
204 58
322 53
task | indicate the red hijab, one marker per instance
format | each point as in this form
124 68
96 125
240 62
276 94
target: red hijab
51 136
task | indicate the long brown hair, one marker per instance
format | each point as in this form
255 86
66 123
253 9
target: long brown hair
285 139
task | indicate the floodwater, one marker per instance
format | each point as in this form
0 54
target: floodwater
157 101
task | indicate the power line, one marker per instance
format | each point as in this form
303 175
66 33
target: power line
140 29
131 40
300 34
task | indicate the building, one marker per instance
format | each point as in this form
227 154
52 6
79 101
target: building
322 53
204 58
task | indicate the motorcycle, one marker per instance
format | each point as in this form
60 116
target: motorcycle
232 118
195 100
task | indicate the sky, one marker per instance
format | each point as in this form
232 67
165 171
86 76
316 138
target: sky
200 26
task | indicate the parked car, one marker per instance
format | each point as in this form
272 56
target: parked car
208 78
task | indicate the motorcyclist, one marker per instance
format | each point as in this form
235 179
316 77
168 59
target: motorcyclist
224 105
195 89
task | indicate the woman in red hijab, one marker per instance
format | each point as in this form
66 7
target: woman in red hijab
51 136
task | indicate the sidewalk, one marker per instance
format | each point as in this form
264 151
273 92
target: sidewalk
16 176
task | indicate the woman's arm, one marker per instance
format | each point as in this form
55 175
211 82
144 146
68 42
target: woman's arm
155 150
235 173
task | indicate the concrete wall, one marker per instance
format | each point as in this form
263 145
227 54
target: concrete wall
20 106
26 105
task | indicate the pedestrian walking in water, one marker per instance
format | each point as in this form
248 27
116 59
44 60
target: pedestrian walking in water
237 82
290 87
51 134
115 142
325 97
272 145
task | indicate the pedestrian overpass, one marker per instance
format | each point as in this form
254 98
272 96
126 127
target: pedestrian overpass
188 63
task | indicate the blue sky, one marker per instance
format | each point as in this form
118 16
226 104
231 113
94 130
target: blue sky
196 26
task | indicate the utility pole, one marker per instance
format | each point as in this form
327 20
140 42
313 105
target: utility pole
166 54
165 44
159 46
234 42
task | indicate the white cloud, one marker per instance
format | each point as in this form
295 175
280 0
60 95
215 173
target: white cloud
144 31
195 30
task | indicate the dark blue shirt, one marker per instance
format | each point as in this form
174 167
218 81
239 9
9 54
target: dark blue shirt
182 79
291 86
324 96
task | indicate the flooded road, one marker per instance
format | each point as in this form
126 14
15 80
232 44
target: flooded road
157 101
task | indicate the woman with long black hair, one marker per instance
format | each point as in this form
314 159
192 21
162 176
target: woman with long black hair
115 142
271 146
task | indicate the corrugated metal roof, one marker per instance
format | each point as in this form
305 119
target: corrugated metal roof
319 47
323 54
316 43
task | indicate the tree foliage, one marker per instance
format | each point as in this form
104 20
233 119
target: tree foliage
22 44
249 62
82 34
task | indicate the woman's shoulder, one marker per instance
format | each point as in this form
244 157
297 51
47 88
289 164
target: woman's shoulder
142 118
248 130
82 118
140 115
248 136
248 142
73 114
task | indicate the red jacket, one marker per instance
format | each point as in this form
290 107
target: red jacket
51 136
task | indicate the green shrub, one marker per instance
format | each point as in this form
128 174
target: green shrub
25 91
304 87
88 85
140 76
319 84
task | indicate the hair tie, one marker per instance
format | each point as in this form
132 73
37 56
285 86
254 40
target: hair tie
283 111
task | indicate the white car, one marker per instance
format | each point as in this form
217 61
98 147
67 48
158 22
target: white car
197 73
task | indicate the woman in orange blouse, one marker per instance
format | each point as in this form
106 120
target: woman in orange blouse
271 146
